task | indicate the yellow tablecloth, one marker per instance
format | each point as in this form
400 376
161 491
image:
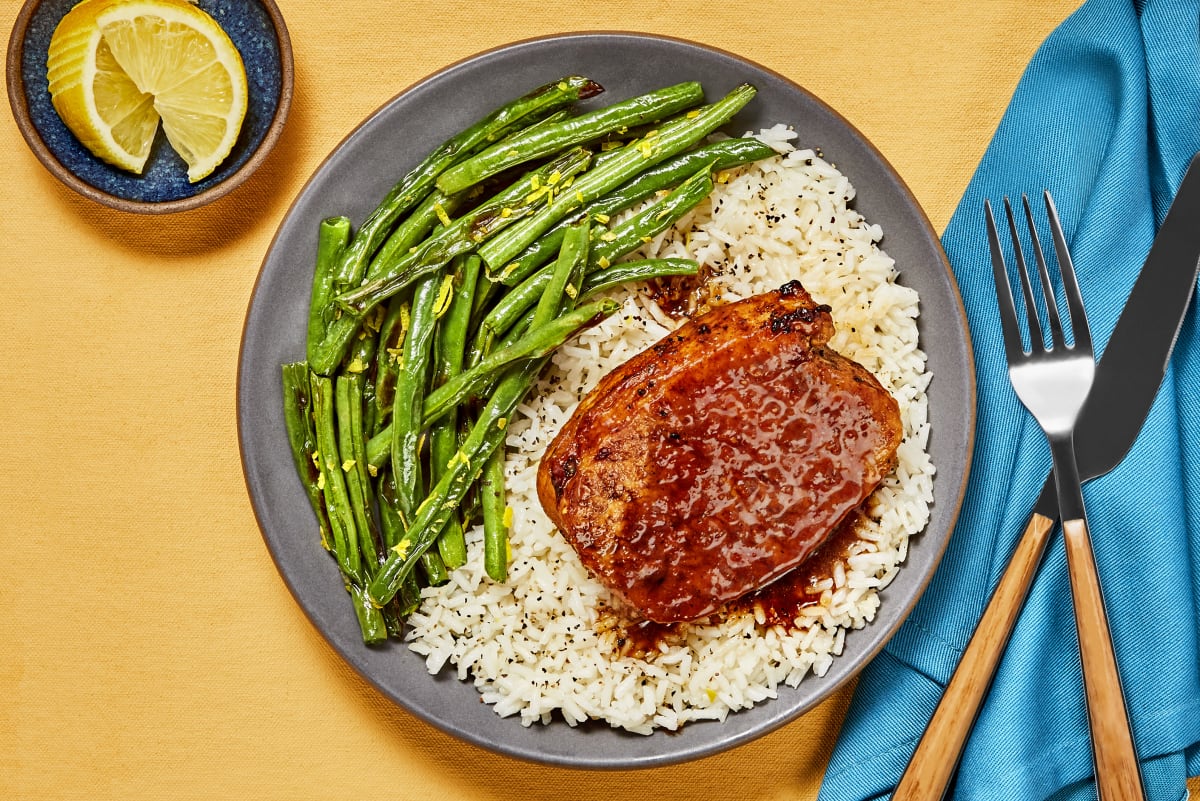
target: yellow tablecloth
148 648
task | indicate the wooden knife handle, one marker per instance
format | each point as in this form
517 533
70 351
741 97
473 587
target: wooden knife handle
933 763
1118 777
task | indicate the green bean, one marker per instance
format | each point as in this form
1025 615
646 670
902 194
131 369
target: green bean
481 345
434 568
512 336
484 295
416 184
535 344
453 331
387 357
392 528
394 614
402 372
621 273
648 223
360 360
297 416
543 140
443 435
553 119
411 384
407 427
462 235
371 622
379 447
332 236
412 231
496 516
566 277
452 543
515 332
326 357
519 200
640 270
722 155
622 238
510 307
337 501
672 138
617 139
532 345
558 298
408 599
486 435
332 480
352 448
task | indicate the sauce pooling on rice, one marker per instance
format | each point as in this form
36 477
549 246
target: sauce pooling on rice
684 296
781 603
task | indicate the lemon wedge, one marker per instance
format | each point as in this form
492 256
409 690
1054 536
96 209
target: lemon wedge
118 67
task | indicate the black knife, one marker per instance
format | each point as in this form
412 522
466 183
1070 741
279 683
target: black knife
1140 346
1127 379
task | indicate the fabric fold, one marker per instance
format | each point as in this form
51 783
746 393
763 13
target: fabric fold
1107 117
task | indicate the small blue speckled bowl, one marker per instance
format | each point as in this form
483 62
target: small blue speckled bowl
260 35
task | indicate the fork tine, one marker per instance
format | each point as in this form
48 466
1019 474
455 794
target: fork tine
1037 342
1048 293
1008 313
1079 323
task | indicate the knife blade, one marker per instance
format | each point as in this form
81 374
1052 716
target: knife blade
1139 348
1127 379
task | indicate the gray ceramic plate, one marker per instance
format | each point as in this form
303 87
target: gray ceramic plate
363 168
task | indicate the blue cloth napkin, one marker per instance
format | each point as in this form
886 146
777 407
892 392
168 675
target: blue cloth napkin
1107 117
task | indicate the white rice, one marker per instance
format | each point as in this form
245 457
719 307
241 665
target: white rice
534 646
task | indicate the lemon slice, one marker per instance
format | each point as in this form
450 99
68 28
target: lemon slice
116 67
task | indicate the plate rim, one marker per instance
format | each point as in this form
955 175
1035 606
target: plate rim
878 642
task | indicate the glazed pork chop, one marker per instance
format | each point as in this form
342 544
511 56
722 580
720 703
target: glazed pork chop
720 458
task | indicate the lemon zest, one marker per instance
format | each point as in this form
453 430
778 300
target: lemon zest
445 294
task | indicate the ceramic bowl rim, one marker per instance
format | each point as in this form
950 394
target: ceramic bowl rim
33 137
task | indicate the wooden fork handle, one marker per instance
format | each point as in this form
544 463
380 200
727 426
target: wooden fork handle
1118 777
933 763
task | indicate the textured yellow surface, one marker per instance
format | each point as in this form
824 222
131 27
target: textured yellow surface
149 648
